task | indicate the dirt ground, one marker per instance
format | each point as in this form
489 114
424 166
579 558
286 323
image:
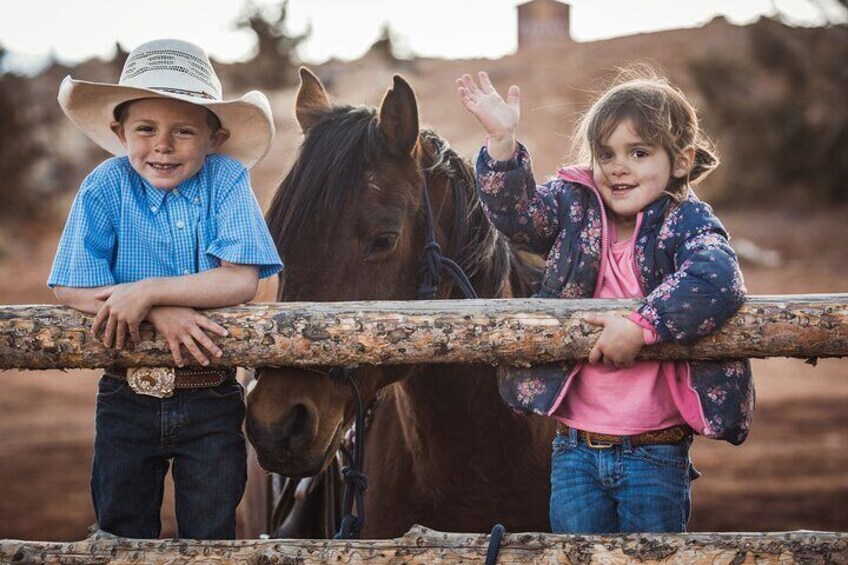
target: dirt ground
789 475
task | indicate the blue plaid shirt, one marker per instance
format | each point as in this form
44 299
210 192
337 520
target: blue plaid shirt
121 229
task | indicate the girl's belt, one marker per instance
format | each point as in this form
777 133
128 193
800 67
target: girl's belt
604 441
160 382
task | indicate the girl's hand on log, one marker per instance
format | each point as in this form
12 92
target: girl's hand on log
189 328
619 343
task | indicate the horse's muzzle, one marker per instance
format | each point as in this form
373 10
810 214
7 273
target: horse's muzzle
290 447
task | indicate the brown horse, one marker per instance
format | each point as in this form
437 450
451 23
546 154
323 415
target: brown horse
442 449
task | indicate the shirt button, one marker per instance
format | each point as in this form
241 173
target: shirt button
180 224
185 271
153 208
196 200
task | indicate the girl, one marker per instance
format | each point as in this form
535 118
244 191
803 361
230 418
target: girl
626 225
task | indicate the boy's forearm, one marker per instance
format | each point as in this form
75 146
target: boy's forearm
82 299
226 285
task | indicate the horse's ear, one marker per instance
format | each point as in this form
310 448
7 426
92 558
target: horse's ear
311 97
399 118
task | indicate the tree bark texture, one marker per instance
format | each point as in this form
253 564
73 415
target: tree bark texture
515 331
423 546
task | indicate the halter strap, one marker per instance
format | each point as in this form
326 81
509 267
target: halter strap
432 265
433 262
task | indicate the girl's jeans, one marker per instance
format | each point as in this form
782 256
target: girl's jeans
620 489
139 437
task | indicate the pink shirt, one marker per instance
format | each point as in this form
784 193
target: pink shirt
650 395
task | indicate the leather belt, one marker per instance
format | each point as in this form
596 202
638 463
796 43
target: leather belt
605 441
161 382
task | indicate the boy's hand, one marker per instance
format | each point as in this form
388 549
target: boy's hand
619 343
186 327
498 117
124 308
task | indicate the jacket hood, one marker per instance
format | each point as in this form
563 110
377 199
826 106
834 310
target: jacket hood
580 174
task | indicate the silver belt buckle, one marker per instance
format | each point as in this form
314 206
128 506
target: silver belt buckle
152 381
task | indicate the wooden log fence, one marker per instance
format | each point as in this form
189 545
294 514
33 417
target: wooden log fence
422 546
516 331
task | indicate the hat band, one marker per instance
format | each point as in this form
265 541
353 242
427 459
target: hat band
184 92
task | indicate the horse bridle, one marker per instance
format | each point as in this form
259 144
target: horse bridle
433 264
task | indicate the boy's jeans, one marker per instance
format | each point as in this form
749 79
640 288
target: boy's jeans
138 437
620 489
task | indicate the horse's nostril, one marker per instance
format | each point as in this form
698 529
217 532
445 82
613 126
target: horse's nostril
299 421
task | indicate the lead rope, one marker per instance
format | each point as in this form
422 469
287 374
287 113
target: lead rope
494 544
432 265
355 480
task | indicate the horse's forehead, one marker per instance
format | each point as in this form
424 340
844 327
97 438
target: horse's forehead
390 178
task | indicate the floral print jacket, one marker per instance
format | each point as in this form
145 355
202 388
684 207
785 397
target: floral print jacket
684 264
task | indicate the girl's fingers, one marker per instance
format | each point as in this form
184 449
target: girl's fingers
595 354
470 84
465 81
595 320
485 84
463 96
466 95
513 96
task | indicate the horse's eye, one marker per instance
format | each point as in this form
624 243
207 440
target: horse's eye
383 244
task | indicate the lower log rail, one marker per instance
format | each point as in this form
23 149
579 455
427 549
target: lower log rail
424 546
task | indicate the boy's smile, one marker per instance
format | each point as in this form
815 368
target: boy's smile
167 140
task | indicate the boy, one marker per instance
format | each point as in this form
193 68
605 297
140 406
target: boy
168 225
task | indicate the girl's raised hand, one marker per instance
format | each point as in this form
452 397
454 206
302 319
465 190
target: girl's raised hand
498 117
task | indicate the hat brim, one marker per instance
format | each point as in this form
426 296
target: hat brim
90 106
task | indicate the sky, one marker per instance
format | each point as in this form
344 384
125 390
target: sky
80 29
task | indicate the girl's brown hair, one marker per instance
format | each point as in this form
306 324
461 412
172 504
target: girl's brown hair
661 115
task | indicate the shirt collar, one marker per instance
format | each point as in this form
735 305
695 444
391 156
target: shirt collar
154 196
188 188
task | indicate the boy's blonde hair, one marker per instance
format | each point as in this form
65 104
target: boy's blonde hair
661 115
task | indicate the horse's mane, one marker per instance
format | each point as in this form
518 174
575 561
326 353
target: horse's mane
329 172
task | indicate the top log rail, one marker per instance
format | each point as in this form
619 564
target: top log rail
516 331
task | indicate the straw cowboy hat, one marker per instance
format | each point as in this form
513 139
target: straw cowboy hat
170 68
